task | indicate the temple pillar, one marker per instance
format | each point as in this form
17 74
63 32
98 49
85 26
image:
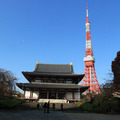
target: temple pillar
80 95
66 95
31 94
73 95
47 94
24 94
57 95
38 94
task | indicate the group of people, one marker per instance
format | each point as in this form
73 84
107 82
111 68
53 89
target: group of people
46 107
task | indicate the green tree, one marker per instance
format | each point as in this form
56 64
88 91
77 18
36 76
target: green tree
7 83
106 102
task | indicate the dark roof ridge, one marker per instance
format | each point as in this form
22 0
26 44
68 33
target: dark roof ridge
53 83
53 72
52 64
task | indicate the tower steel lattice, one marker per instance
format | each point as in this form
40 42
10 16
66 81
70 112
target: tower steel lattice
90 78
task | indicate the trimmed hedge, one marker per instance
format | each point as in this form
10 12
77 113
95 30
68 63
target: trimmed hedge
10 103
85 106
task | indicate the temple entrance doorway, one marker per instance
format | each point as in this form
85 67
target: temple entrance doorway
61 95
43 95
52 95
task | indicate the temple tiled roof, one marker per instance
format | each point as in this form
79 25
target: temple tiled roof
51 86
54 68
64 71
31 75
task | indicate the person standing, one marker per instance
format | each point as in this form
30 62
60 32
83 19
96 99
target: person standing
61 106
38 106
53 106
48 106
45 106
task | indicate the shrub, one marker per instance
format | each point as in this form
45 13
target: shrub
104 104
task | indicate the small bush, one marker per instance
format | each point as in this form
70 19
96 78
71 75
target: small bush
87 107
85 99
79 103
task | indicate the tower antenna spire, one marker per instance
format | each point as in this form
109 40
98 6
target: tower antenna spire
87 14
87 9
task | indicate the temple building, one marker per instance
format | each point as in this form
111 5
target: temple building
56 82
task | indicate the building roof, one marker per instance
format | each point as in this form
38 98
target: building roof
32 75
54 68
38 85
53 71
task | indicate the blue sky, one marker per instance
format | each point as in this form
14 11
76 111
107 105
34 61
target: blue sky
53 31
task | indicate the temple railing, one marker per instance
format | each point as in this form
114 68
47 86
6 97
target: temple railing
54 100
33 98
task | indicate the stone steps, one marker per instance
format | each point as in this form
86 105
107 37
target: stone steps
33 105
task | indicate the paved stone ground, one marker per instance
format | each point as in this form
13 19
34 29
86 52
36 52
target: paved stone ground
32 115
92 116
53 115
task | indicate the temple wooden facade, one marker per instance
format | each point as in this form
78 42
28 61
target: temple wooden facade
53 81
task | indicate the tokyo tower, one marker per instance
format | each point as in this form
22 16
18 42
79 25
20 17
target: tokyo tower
90 78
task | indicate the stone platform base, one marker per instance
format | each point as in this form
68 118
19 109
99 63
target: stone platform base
52 100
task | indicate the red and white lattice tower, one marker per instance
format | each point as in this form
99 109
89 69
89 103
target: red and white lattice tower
90 78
